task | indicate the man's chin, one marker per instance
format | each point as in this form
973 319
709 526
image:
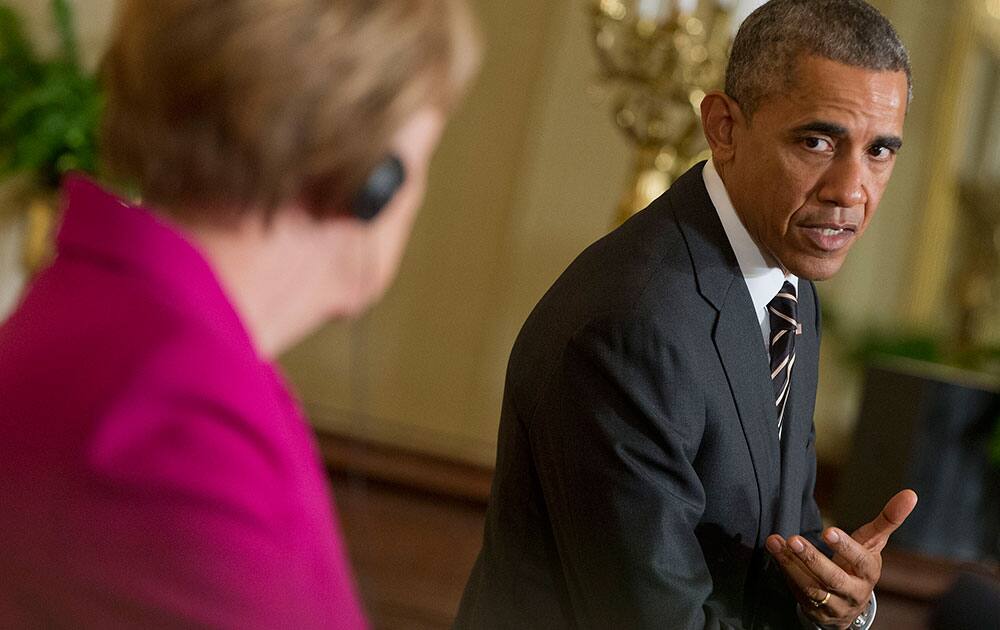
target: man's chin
815 269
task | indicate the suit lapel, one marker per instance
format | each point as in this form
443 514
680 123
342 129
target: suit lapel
741 350
737 333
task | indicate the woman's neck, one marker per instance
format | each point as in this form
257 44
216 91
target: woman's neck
285 277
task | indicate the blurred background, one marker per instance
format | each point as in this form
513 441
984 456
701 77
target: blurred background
583 110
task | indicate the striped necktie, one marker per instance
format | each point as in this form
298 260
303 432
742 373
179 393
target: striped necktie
783 314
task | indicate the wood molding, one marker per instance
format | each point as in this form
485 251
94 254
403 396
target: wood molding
408 469
921 578
433 474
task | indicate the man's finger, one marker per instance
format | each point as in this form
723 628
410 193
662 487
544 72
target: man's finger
875 534
830 576
806 585
852 556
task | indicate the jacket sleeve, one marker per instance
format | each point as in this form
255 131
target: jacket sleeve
614 436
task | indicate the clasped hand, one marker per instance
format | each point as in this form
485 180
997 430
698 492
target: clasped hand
833 593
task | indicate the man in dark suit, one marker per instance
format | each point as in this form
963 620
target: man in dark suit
656 457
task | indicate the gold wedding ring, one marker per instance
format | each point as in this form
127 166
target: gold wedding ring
820 604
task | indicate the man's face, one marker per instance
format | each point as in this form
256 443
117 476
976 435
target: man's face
808 170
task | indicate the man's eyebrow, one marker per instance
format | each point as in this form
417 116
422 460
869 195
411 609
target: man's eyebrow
823 127
894 143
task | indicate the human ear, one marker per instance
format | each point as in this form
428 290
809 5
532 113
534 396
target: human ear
719 116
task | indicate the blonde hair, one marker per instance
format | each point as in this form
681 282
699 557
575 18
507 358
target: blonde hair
224 107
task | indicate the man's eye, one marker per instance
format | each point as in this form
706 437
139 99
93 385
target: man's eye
817 144
880 152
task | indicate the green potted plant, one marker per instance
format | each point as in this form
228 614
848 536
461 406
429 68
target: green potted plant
50 111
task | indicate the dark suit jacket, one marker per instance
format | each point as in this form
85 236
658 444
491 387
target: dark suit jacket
638 469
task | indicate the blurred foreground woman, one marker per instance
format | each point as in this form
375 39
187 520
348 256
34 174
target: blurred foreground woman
154 471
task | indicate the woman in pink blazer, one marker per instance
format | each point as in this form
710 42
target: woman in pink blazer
154 470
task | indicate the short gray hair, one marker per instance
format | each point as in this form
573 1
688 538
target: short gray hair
777 35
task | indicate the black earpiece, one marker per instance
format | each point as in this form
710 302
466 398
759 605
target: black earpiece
382 185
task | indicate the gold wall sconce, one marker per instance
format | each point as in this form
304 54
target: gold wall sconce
660 58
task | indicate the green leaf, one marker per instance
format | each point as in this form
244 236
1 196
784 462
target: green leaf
14 46
67 35
50 110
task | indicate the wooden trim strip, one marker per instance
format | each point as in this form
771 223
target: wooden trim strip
914 576
408 469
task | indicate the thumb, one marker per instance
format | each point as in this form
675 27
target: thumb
875 534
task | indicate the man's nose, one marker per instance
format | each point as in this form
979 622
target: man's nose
843 182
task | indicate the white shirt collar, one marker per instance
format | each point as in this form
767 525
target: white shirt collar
763 279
